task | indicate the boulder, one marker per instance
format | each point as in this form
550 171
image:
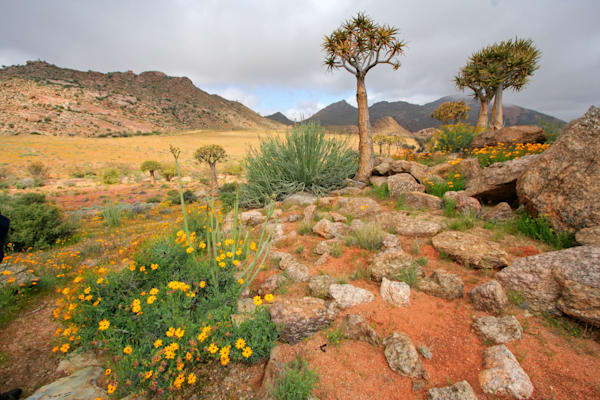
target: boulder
396 293
489 297
498 330
401 183
589 236
420 200
274 370
301 198
276 230
318 285
502 375
252 217
470 250
500 212
563 182
328 230
77 360
401 224
359 206
419 171
459 391
498 182
297 318
442 284
324 246
565 280
337 217
322 260
293 269
469 168
83 384
402 356
464 204
16 275
309 212
510 135
355 327
347 295
378 180
390 264
390 241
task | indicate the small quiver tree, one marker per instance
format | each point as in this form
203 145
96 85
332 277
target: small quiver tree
168 171
150 166
211 154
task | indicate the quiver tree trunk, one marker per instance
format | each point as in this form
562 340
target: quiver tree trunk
214 185
365 141
482 120
496 121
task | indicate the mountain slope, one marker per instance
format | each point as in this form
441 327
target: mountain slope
339 113
43 98
279 117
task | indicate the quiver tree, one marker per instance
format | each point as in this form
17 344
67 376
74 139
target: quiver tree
357 46
150 166
476 76
451 112
211 154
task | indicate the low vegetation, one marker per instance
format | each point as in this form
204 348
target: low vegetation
454 138
368 236
297 382
541 229
503 152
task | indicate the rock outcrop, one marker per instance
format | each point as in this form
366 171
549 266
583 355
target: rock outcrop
459 391
396 293
489 297
510 135
470 250
391 264
442 284
355 327
400 183
297 318
498 330
347 295
402 224
502 375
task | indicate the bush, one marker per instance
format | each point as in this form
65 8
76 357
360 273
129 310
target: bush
454 138
188 197
297 382
112 215
381 192
79 171
37 170
150 166
306 159
34 222
227 195
368 236
110 176
502 152
541 229
168 171
438 187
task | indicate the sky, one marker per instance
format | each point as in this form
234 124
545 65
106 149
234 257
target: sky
268 55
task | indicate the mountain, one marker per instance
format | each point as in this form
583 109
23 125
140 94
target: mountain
389 126
43 98
279 117
415 117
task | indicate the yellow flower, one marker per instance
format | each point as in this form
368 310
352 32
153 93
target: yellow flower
87 290
55 349
142 269
180 366
103 325
191 379
110 389
252 246
257 300
157 343
202 284
240 344
224 360
212 349
241 281
127 350
153 267
99 281
180 233
247 352
269 297
188 356
170 332
108 371
132 267
235 262
202 245
148 374
222 264
238 252
151 299
179 380
229 254
153 291
135 306
179 332
189 250
65 347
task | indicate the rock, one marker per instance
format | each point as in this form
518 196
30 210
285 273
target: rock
463 203
297 272
309 212
589 236
489 297
378 180
327 229
391 264
282 259
564 181
26 183
470 250
355 327
469 168
401 183
359 206
80 385
425 352
252 217
390 241
297 318
76 361
347 191
419 171
327 201
301 198
338 217
16 275
459 391
402 357
354 183
293 218
502 375
419 200
383 167
442 284
348 295
401 224
498 330
566 280
500 212
510 135
498 182
396 293
276 230
246 305
322 260
318 285
324 246
274 369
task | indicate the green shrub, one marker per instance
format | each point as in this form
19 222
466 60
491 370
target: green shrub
112 215
503 152
227 195
110 176
541 229
381 192
305 227
454 138
368 236
438 187
462 222
37 170
34 222
188 196
306 159
167 171
409 275
297 383
336 250
449 208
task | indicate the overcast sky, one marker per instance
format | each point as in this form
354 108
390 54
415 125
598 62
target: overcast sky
267 54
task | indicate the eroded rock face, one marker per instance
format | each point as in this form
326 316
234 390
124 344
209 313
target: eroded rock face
442 284
498 182
319 285
402 356
80 385
421 200
589 236
359 206
396 293
564 181
459 391
566 280
510 135
498 330
489 297
298 318
502 375
355 327
464 204
470 250
401 183
347 295
404 225
390 264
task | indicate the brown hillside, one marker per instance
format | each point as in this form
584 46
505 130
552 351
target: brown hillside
389 126
43 98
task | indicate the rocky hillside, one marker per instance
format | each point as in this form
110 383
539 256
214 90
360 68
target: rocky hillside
279 117
415 117
45 99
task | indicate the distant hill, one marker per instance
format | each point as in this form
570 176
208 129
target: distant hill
415 117
42 98
279 117
389 126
